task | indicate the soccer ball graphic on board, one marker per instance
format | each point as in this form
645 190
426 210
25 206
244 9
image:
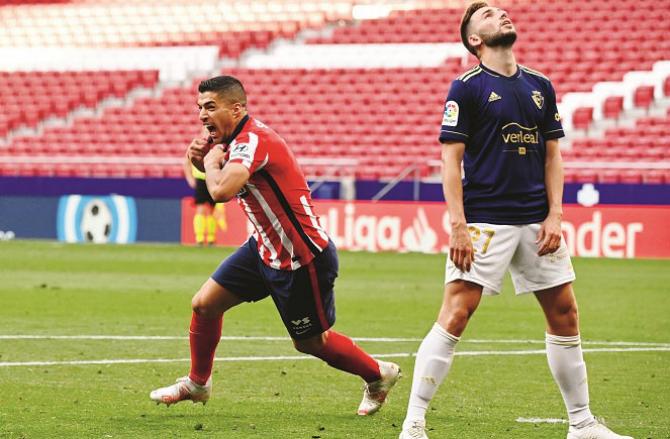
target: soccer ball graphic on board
96 222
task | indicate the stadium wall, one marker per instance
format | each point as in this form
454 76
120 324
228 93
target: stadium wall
619 221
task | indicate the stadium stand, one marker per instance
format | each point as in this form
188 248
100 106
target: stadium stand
61 92
369 91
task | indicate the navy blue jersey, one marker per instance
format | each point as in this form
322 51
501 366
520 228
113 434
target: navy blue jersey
504 123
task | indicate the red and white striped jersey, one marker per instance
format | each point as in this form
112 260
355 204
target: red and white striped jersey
276 199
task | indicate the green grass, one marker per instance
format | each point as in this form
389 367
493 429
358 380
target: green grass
55 289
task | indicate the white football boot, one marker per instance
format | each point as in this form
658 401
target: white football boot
416 430
184 389
375 393
594 431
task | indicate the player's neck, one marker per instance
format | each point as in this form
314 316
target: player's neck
500 60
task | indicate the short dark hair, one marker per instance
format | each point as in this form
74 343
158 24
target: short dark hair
465 21
227 87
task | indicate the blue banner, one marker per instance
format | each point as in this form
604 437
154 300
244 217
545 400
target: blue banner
84 218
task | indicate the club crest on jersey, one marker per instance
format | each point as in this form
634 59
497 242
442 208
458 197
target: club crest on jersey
450 118
538 99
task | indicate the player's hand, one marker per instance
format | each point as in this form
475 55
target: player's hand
215 158
197 151
461 251
549 237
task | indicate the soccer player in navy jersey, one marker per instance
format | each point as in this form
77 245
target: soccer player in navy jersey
289 256
501 122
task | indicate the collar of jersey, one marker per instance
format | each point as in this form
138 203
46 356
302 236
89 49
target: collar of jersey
237 131
498 75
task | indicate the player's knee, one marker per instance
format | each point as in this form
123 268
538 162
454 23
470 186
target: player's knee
567 310
201 306
565 315
455 319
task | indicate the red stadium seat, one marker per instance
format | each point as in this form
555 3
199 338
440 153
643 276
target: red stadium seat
630 177
612 107
653 177
643 96
582 117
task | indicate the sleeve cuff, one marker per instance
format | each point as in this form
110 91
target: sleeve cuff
446 135
242 162
554 134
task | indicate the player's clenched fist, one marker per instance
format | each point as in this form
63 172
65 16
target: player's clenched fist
215 158
197 151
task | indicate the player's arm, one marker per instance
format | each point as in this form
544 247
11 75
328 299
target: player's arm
187 172
460 244
549 237
224 180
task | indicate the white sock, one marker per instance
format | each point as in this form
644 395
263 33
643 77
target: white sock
566 363
432 364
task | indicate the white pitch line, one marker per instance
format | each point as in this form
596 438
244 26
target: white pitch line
168 337
542 420
358 339
307 357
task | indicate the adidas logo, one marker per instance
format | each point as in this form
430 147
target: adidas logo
494 97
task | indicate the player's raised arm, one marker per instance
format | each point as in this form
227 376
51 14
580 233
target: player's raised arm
460 244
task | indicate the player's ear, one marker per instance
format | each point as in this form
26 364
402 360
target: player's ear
237 109
475 41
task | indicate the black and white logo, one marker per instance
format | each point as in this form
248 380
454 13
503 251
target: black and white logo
301 326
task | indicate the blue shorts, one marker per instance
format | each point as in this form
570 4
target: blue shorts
304 297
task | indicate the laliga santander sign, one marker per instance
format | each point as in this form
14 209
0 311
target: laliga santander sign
606 231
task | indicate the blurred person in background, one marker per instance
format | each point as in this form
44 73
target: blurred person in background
208 215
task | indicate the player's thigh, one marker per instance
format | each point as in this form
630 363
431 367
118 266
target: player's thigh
494 246
240 273
531 272
305 297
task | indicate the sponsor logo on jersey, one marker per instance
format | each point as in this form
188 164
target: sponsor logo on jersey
450 118
538 99
494 97
557 117
240 151
520 135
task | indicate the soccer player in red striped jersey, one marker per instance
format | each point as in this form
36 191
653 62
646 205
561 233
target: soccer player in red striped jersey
289 256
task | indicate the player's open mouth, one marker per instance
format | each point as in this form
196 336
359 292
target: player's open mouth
211 129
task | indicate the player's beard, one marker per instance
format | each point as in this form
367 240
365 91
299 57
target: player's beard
500 39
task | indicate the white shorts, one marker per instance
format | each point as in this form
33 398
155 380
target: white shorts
499 247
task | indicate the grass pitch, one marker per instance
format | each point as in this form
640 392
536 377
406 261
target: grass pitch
98 387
